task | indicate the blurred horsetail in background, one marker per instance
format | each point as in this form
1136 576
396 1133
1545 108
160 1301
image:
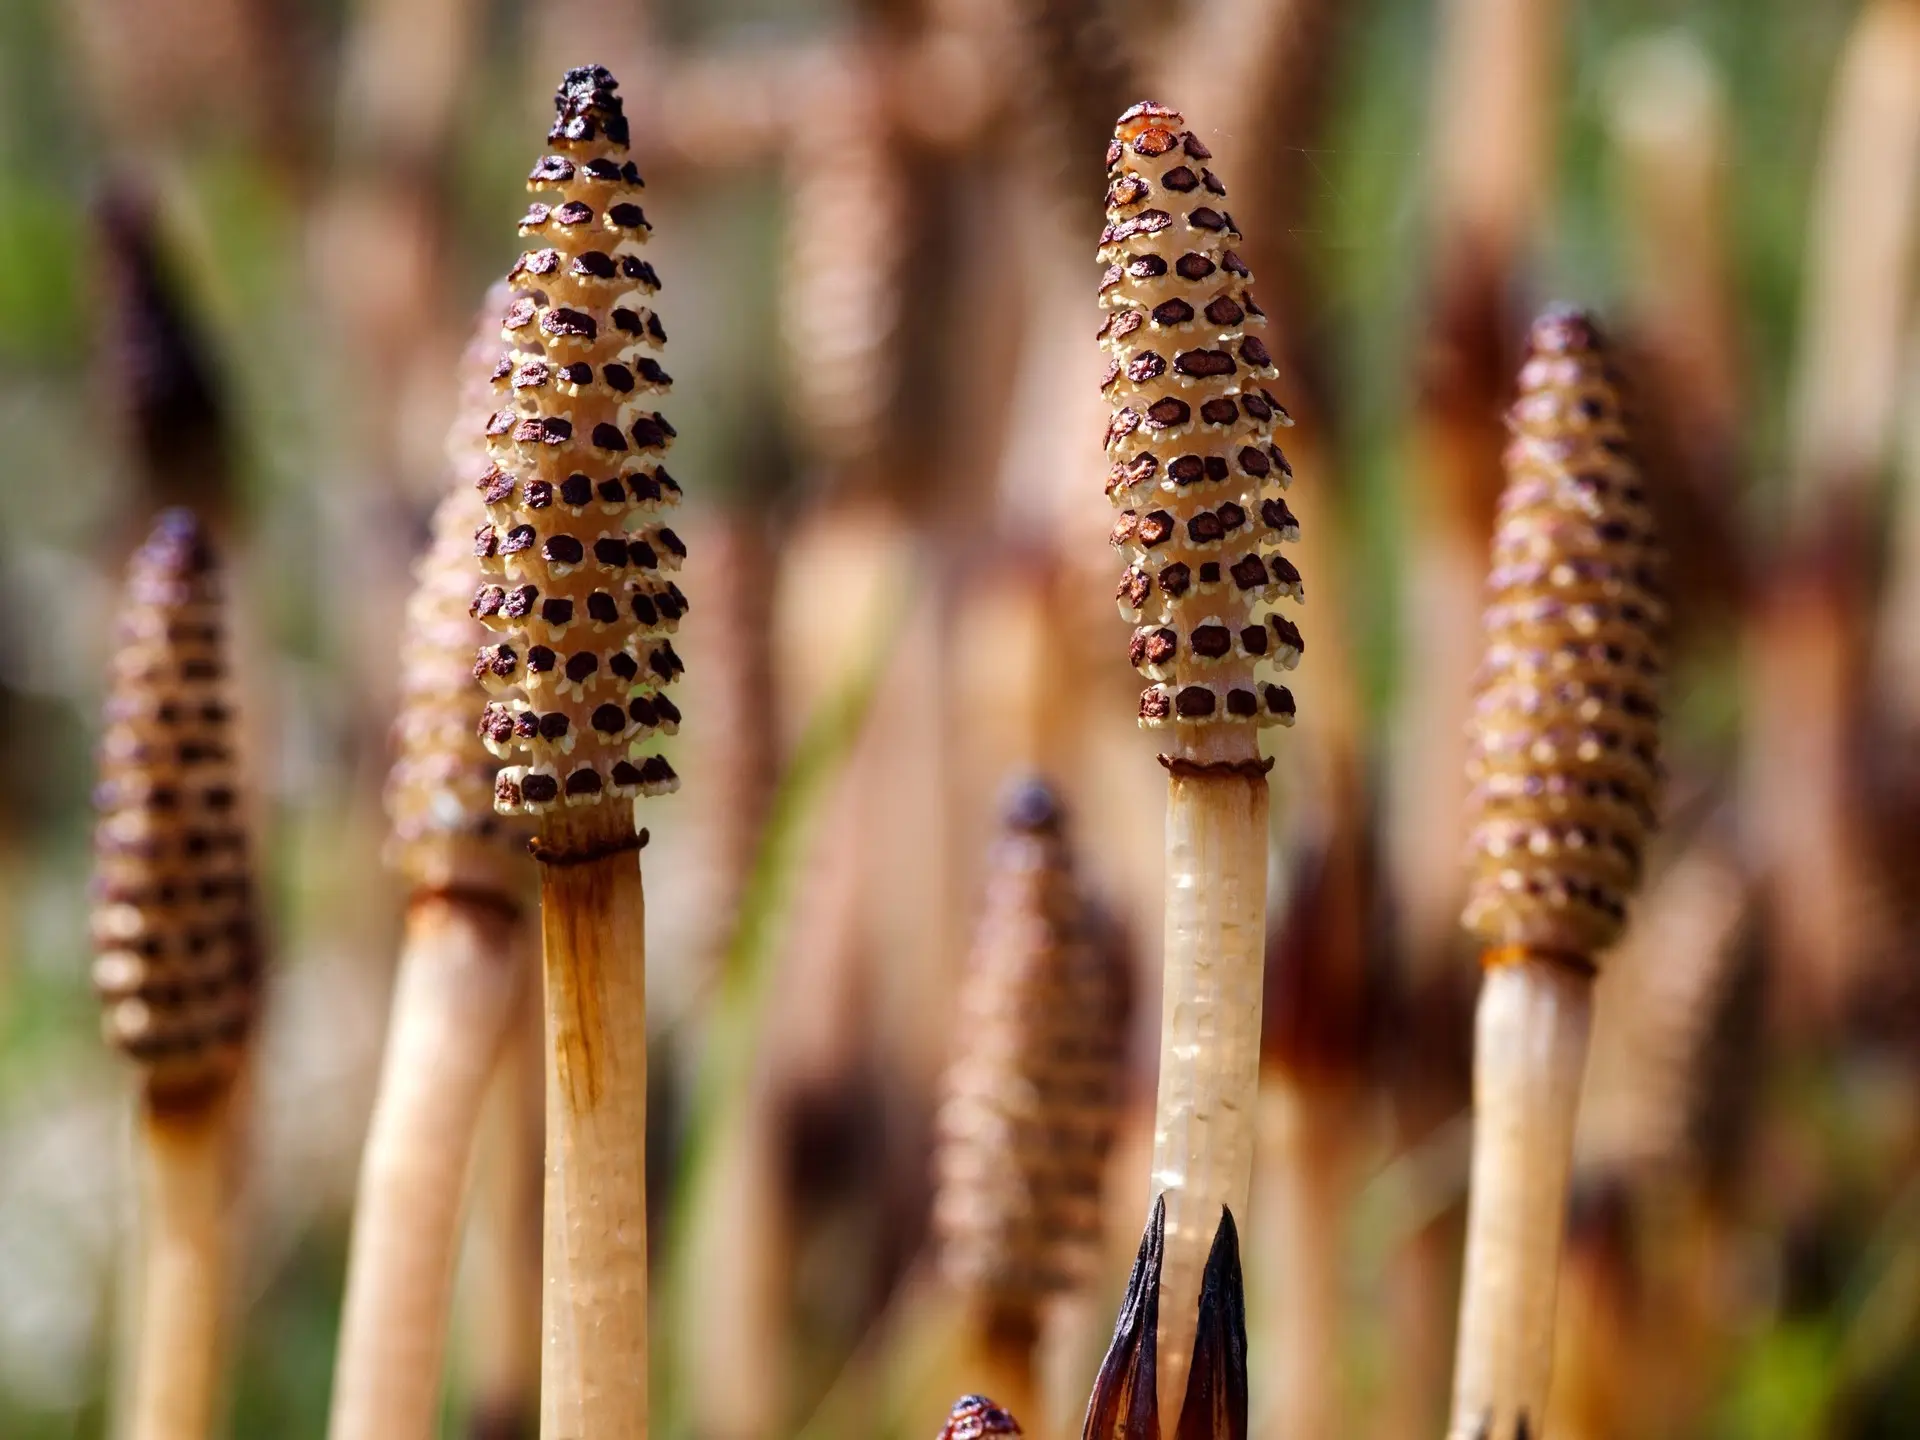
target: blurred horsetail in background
462 979
1564 770
178 963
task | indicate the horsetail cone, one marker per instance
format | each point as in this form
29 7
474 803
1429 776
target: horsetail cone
1564 766
846 237
1033 1096
443 829
1194 469
576 559
178 954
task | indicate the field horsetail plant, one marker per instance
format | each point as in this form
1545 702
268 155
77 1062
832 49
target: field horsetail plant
1200 486
1564 771
178 954
575 586
461 983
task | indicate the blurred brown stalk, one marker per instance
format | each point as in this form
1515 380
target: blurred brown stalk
1810 629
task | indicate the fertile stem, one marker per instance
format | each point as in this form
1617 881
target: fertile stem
593 1378
458 991
1530 1049
183 1281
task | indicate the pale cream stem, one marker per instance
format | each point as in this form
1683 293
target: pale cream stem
183 1284
1530 1051
502 1316
1207 1110
459 987
593 1376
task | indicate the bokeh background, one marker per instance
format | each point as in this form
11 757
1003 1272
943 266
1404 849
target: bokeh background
241 246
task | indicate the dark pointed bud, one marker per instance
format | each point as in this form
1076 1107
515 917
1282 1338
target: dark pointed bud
158 371
1216 1403
1125 1401
975 1417
1032 806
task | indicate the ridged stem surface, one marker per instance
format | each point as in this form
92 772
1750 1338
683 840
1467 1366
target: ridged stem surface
1205 1115
459 989
1530 1050
593 1374
183 1278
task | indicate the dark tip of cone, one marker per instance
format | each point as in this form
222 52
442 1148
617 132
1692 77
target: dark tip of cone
1215 1407
1125 1401
975 1417
177 544
587 106
1563 329
1032 806
1147 110
177 524
161 378
499 1424
585 85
